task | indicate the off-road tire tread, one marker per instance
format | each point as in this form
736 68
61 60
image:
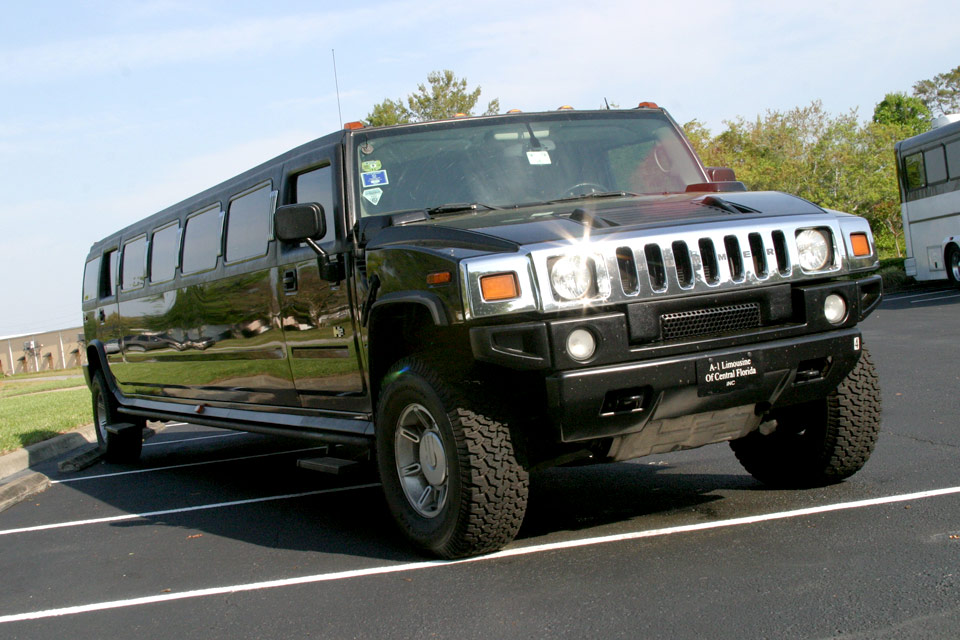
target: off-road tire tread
850 432
495 485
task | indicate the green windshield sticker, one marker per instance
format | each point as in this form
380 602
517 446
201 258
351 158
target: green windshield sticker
370 165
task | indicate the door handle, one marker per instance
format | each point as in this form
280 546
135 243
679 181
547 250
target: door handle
290 280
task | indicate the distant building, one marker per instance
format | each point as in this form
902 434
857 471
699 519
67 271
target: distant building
46 351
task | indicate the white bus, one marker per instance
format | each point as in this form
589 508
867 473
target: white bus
928 167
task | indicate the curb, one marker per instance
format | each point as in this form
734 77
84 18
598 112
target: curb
21 487
17 482
21 459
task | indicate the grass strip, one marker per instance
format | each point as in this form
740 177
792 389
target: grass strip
19 388
28 419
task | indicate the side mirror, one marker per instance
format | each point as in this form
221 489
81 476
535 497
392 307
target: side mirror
299 222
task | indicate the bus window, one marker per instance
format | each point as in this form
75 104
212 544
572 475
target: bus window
134 263
317 186
164 249
91 278
935 165
201 241
953 158
913 171
248 224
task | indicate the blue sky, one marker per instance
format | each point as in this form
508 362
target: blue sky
111 110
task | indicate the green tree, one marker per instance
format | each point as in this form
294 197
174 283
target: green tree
901 109
835 161
941 93
445 97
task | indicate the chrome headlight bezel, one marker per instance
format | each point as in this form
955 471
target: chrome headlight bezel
578 277
814 249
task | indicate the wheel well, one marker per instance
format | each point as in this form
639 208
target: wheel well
402 329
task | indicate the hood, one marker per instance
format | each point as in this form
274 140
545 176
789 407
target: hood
506 229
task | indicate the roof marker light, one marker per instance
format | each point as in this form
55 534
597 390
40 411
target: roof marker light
353 125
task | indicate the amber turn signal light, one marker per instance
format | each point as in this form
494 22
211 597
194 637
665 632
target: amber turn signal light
502 286
440 277
860 244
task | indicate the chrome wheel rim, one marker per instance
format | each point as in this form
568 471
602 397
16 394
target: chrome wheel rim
955 265
102 417
421 461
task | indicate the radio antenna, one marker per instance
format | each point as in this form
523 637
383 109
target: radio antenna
336 82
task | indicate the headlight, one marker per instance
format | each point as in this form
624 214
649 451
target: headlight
813 247
572 277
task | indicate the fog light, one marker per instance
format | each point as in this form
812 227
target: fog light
581 345
834 309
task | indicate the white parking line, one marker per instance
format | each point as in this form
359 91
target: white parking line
916 295
219 435
181 466
165 512
520 551
936 299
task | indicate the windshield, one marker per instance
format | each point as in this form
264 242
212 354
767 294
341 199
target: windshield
522 159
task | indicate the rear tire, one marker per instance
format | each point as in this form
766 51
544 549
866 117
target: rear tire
450 474
821 442
116 447
952 261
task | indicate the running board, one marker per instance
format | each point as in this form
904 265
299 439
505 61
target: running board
333 466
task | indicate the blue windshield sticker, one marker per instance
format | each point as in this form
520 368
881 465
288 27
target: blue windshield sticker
374 178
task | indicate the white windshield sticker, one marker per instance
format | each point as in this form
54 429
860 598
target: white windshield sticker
373 195
538 157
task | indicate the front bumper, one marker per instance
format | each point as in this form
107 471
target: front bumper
620 399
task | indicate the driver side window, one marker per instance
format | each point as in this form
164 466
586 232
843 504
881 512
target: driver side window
316 185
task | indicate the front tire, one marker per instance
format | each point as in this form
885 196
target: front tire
116 447
450 473
821 442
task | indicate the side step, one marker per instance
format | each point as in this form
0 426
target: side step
348 460
119 428
334 466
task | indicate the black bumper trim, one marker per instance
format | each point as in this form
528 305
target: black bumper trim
576 398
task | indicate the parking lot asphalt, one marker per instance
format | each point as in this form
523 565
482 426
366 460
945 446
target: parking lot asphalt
219 534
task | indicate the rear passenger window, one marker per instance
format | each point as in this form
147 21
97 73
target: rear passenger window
108 274
913 171
164 249
953 158
317 186
201 241
91 278
935 164
134 264
248 224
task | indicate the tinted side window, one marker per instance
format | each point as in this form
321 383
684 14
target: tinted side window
935 164
91 278
248 225
108 274
134 264
164 249
953 158
913 171
201 241
317 186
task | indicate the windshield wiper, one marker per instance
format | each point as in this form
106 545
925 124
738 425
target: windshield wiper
458 207
596 194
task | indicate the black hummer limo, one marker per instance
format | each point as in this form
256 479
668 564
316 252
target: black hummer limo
473 299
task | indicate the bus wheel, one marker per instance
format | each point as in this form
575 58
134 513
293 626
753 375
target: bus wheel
821 442
124 446
450 474
952 258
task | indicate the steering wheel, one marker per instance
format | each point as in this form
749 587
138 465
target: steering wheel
584 189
